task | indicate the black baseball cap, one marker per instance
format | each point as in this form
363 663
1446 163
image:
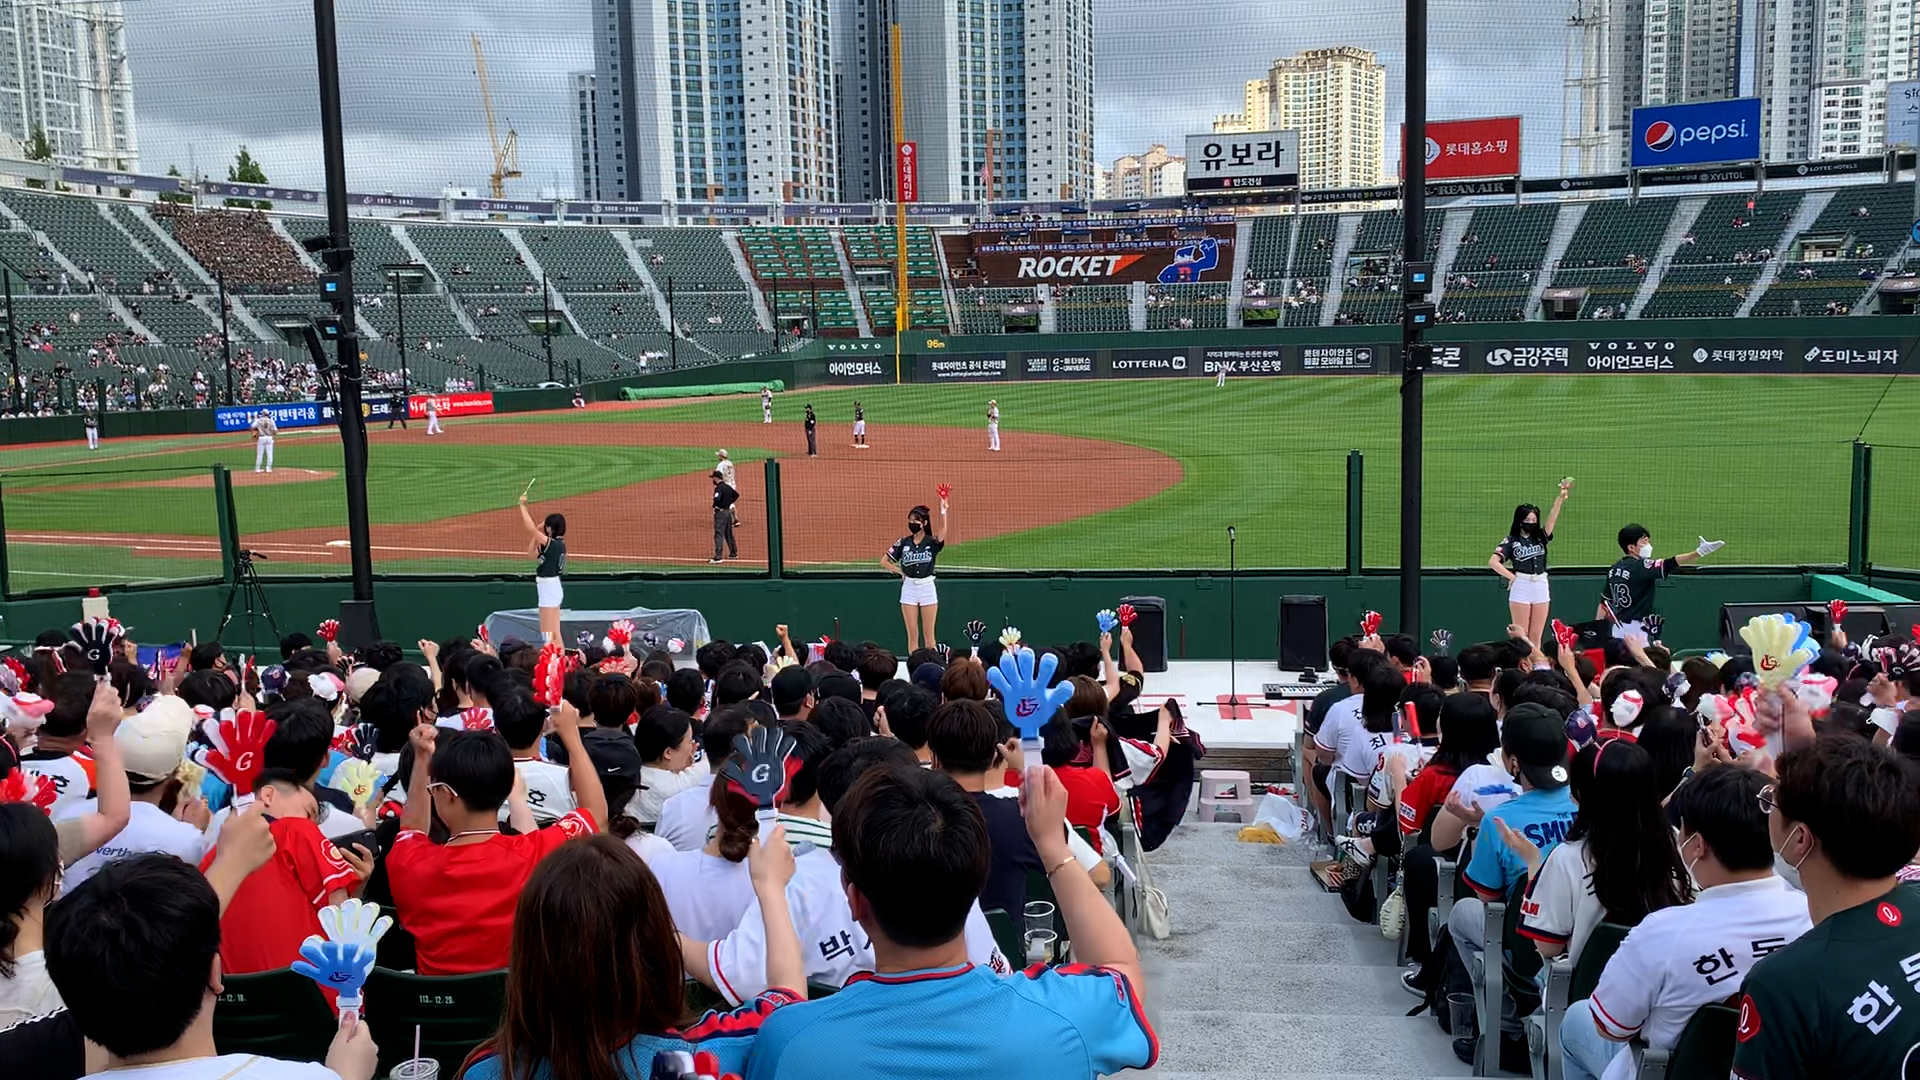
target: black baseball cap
1537 738
791 685
839 684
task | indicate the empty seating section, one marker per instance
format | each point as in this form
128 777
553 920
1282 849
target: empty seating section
85 236
1700 292
129 220
429 319
1187 307
1877 234
374 247
979 308
1380 232
797 255
175 322
926 309
1807 288
33 269
602 315
827 305
582 259
241 244
75 321
1091 307
1837 256
694 259
1615 242
473 258
872 245
715 313
1727 228
1267 244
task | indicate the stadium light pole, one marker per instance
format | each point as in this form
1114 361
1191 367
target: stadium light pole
1413 205
226 338
358 622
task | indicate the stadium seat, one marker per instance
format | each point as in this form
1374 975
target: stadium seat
1007 935
272 1014
1569 981
1705 1048
454 1013
1487 991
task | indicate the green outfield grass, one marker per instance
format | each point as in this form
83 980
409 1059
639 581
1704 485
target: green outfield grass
1760 462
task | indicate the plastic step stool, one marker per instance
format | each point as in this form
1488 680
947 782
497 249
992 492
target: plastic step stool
1225 789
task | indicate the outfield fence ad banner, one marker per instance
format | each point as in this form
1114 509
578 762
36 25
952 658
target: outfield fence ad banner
1574 356
470 404
298 414
1105 258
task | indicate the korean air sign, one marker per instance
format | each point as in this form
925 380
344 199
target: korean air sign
1698 134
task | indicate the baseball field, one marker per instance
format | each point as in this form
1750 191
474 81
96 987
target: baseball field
1102 475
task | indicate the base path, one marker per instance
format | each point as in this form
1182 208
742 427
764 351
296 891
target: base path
845 506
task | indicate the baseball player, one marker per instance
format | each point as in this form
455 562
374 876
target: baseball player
1220 379
433 418
263 432
859 426
766 405
93 431
993 425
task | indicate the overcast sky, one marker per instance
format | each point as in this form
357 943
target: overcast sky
210 75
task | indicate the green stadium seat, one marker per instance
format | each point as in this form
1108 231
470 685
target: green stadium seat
454 1013
1705 1048
273 1014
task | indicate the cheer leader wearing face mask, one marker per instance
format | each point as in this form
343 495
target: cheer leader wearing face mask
1628 600
912 557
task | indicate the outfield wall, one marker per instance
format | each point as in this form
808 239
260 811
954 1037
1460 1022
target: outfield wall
1047 608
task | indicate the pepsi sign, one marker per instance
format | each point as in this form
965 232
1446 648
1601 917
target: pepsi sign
1697 134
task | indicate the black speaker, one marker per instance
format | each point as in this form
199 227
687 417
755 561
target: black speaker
1900 619
1303 633
1149 630
1735 616
358 626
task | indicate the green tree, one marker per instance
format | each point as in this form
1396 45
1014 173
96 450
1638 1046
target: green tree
245 170
38 148
175 196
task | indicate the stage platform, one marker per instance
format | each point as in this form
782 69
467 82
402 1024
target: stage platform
1257 722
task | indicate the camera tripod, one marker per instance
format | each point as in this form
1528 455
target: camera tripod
246 583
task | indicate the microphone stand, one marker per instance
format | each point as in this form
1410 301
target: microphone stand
1233 625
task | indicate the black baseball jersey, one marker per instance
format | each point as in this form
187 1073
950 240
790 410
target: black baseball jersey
553 558
1835 1002
859 413
1527 554
915 557
1630 585
809 421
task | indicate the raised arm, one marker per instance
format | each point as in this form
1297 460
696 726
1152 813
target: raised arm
588 795
1109 672
417 816
1129 660
1560 500
82 835
770 866
534 530
946 524
1099 938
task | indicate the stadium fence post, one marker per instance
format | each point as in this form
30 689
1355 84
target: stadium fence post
1356 502
1860 508
6 573
775 552
225 522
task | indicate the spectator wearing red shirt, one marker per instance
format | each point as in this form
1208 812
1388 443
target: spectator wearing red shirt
1091 797
1468 733
279 904
457 898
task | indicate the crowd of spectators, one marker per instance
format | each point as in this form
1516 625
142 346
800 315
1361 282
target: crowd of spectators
156 838
242 245
1745 845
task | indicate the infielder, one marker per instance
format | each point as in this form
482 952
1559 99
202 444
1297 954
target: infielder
93 431
766 405
433 418
993 425
859 426
263 432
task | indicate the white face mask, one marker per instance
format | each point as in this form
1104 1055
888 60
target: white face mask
1646 551
1682 839
1789 872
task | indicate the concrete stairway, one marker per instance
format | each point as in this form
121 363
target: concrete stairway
1266 976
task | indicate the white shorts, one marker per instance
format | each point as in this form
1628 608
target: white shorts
859 427
1528 589
918 591
549 590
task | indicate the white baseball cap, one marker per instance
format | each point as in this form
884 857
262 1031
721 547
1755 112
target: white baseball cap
153 741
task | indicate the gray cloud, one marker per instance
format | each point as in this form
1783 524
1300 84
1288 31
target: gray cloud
210 75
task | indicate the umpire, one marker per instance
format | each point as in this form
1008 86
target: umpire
813 450
723 499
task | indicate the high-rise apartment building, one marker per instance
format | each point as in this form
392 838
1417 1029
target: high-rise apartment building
1692 51
700 100
1144 176
1337 99
64 73
586 136
1825 69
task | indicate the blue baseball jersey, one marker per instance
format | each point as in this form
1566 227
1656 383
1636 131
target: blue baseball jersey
1542 816
728 1036
1072 1022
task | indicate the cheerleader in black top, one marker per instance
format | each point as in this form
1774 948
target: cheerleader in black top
912 557
1525 547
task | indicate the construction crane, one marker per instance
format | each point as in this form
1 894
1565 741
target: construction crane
506 156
